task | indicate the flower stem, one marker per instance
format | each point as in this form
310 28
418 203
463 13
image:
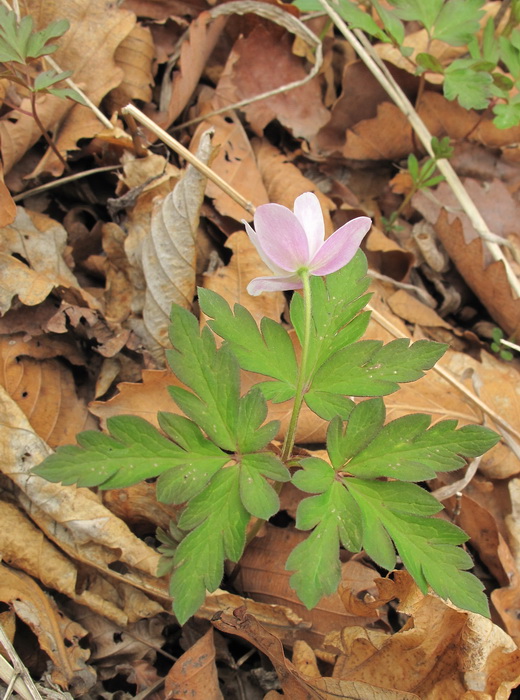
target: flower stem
302 374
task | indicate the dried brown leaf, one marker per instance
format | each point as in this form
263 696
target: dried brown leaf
235 163
294 685
134 55
194 674
58 636
263 61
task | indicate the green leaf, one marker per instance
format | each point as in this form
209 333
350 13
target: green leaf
432 182
429 62
406 448
470 87
37 43
392 25
507 115
133 451
510 53
315 475
257 496
327 405
442 148
213 376
413 167
458 21
424 11
365 422
252 412
336 518
218 521
49 77
454 21
395 511
369 368
267 350
336 303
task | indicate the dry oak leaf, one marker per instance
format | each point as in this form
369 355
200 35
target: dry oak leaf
440 652
488 280
7 203
32 262
360 96
72 518
135 56
113 645
194 674
203 35
97 27
264 61
294 685
57 635
234 162
44 388
284 181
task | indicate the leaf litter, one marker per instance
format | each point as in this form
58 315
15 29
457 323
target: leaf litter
85 300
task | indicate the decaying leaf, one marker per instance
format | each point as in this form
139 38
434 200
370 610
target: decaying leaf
58 636
168 253
194 675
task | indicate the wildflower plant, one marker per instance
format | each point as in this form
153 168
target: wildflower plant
218 459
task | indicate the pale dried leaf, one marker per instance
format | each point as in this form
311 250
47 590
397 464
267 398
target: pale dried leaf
58 636
169 252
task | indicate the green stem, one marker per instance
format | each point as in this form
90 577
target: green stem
302 374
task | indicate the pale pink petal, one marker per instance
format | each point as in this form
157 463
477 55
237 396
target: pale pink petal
307 209
340 248
254 240
273 284
281 237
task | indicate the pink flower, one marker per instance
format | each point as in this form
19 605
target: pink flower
288 242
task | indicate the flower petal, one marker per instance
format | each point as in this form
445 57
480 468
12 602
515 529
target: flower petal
254 240
307 209
340 248
273 284
281 237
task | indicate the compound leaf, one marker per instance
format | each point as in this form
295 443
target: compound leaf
406 448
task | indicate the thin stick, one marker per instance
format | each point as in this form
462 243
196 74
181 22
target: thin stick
377 67
64 180
187 155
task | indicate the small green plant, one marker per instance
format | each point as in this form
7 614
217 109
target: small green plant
218 462
423 175
477 80
499 345
21 49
